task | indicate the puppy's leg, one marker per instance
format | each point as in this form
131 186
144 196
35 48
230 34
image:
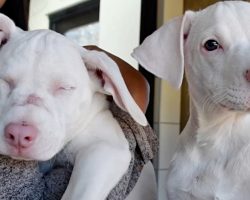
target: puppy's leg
97 169
180 195
181 173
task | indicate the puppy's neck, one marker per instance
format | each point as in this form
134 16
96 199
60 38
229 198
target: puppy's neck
221 130
88 114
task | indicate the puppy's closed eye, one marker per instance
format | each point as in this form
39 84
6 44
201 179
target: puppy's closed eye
66 88
60 88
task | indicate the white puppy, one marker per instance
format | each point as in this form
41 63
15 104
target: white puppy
53 93
213 158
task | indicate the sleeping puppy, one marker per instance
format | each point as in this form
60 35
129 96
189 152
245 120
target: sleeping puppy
213 158
53 93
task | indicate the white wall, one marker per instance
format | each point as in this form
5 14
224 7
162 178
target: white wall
119 23
120 27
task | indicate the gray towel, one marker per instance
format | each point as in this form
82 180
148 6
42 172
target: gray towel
22 180
30 180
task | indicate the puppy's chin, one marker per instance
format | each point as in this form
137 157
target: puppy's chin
21 158
28 155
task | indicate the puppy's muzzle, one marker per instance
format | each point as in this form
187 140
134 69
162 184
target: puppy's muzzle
22 135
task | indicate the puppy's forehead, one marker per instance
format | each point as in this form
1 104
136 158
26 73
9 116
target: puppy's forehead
232 14
45 44
41 50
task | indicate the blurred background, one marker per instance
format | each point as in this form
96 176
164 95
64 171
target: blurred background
118 26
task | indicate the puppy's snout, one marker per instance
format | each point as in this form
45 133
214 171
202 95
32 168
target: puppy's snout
20 135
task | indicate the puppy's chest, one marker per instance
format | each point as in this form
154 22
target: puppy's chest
222 171
221 180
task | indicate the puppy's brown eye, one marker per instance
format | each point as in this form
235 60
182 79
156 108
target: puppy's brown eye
211 45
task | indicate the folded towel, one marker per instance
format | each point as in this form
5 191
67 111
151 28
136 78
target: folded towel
30 180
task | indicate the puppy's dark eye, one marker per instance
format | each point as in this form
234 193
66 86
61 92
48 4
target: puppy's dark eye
211 45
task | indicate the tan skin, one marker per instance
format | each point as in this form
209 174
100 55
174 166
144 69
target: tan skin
1 3
135 81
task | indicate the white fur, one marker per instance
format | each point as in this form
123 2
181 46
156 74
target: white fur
71 109
213 158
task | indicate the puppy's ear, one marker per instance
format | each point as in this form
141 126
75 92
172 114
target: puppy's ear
7 28
162 52
112 83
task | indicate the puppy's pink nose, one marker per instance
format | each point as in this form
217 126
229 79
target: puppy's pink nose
247 75
20 135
